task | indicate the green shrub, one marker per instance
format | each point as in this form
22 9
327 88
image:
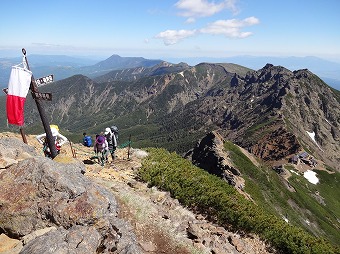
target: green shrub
211 196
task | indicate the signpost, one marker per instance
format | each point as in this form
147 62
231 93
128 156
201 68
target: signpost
44 80
37 98
43 96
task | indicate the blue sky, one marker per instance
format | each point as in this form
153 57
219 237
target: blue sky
159 29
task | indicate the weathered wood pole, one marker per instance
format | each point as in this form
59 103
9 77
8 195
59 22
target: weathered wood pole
47 128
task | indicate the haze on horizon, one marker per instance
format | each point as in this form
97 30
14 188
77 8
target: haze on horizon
171 29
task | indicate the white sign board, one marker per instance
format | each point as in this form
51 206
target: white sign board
44 80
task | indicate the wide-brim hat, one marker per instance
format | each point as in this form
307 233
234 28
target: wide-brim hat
100 140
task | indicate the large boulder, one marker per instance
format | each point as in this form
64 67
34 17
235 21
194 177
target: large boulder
37 193
13 150
209 154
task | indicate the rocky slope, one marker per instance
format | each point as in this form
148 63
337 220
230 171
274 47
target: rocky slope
104 210
272 112
209 155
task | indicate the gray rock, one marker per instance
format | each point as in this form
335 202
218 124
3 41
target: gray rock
209 155
39 193
13 150
35 234
77 239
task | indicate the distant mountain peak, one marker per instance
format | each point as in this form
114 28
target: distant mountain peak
116 62
163 64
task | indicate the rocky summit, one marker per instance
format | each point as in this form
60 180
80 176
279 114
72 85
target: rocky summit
75 214
70 205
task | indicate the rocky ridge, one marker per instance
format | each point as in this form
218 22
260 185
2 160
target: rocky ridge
272 113
209 155
151 220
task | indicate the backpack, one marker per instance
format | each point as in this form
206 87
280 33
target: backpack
87 141
109 139
114 130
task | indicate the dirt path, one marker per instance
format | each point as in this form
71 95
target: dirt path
161 224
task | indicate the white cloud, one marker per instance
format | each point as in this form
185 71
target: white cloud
171 37
43 44
193 9
231 5
190 20
230 28
204 8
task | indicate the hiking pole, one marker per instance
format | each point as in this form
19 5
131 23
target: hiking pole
35 94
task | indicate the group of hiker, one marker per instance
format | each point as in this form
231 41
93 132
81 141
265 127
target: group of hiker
105 143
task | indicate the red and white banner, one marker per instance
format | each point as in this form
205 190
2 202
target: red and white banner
18 86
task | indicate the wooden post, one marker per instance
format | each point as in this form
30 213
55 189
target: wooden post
73 151
22 132
129 147
47 128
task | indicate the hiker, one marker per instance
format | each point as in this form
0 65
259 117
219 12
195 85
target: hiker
59 140
112 142
87 140
101 149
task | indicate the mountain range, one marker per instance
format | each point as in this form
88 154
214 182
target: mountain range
65 66
327 70
175 104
